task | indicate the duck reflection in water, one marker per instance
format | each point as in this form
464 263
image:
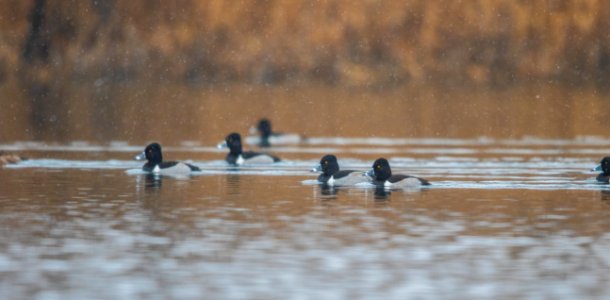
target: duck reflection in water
382 193
233 184
605 196
328 191
149 182
153 181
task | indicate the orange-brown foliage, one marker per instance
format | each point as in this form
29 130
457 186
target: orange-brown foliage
336 41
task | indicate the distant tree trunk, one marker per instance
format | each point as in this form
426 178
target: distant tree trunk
46 104
36 47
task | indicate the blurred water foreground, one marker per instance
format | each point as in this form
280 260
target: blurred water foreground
100 70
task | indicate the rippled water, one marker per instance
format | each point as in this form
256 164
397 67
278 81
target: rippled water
503 219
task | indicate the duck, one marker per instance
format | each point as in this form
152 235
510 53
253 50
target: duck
332 176
155 164
264 129
267 137
381 174
9 158
238 157
604 166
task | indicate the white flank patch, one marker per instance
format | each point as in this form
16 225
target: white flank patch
259 159
179 169
412 181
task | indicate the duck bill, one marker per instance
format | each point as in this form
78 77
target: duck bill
317 168
370 173
222 145
140 156
598 168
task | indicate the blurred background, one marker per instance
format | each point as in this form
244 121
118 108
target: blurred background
196 70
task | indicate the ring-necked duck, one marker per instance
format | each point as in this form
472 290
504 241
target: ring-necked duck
236 155
268 137
382 175
155 164
331 175
604 166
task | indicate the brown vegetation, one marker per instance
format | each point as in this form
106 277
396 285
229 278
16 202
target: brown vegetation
354 43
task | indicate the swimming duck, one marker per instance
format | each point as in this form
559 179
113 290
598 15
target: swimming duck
268 137
155 164
238 157
332 176
604 166
382 176
264 129
9 158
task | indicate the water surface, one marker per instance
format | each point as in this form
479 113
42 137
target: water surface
505 218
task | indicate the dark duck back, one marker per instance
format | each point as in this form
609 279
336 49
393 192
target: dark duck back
155 164
382 176
237 156
604 166
331 174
